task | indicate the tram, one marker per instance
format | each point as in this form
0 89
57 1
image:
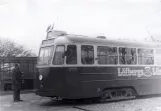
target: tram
75 67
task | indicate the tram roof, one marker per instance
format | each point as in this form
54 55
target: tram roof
100 41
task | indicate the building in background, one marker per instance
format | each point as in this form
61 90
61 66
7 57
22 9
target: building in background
28 67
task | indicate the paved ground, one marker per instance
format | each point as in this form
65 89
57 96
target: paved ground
10 92
35 103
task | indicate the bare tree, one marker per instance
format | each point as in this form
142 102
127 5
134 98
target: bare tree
9 48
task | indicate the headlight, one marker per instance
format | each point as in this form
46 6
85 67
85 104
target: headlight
40 77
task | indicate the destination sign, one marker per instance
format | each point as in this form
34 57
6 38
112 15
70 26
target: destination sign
49 41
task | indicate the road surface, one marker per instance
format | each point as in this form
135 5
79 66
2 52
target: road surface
33 102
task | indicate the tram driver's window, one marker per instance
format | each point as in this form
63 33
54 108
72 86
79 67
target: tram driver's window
71 54
127 55
87 54
59 55
145 56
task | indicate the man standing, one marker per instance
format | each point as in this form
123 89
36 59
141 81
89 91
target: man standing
16 81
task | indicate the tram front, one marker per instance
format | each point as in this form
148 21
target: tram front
50 80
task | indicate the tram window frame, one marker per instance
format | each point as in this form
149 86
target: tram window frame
158 56
62 55
112 55
71 56
42 53
145 56
85 60
127 57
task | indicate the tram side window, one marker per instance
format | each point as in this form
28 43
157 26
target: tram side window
127 55
107 55
158 56
71 54
59 55
45 55
145 56
87 54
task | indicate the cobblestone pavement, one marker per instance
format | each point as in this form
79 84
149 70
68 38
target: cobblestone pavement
33 102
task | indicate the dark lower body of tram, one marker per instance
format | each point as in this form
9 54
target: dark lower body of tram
111 83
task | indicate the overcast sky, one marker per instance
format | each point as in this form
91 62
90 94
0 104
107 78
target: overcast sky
25 21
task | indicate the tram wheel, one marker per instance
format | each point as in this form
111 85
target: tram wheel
117 94
106 95
129 93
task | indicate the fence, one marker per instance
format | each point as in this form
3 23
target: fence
27 66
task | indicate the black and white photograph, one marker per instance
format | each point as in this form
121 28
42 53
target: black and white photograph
80 55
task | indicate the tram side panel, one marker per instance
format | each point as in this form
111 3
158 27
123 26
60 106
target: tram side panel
72 83
91 82
97 79
87 82
144 80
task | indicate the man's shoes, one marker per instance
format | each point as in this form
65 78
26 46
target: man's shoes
16 100
20 100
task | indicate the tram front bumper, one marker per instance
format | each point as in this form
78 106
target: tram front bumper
48 92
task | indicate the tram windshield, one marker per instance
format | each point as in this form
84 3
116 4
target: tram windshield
45 55
59 55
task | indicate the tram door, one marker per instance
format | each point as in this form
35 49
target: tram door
72 76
